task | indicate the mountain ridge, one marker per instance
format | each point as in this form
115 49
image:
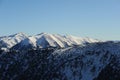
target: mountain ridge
43 40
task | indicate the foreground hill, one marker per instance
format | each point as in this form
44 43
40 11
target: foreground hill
95 61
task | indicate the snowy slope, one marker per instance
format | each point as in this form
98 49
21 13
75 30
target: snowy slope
43 40
10 41
56 40
25 44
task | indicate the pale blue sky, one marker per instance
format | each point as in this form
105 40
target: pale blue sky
98 19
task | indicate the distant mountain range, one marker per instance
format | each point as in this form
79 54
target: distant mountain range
43 40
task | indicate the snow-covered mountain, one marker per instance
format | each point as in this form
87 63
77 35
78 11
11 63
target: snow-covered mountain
56 40
42 40
10 41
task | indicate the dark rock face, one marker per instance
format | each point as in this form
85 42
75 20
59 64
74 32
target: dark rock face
98 61
111 71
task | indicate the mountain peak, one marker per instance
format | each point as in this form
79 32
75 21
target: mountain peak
20 34
43 33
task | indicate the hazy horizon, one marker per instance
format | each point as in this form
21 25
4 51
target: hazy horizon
89 18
